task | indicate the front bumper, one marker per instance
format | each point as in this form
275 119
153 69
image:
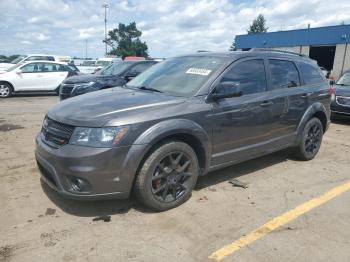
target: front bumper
338 109
101 173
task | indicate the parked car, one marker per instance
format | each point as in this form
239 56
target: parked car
179 120
37 76
103 62
87 67
34 57
340 105
118 73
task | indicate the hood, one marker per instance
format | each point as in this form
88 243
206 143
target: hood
89 78
5 65
342 90
118 105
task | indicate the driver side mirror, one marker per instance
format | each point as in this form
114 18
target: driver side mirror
19 71
130 75
226 90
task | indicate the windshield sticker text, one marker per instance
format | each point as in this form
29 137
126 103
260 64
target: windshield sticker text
198 71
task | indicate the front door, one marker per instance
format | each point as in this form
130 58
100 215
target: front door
241 124
28 77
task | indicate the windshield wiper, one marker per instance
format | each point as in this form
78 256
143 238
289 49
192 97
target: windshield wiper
341 84
148 88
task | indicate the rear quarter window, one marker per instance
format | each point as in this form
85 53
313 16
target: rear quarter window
310 73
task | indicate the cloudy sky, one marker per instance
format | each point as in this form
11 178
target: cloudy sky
170 27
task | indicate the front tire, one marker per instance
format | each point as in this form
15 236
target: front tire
167 176
311 139
5 90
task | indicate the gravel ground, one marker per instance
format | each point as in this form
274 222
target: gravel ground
36 224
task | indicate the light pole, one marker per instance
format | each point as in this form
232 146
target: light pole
86 48
105 6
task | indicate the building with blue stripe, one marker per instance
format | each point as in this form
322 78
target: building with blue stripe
329 46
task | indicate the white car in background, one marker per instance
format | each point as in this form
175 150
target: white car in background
34 76
87 66
105 61
34 57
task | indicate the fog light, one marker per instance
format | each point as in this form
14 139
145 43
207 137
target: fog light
79 185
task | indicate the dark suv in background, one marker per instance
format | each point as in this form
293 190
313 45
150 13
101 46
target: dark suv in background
179 120
117 74
340 105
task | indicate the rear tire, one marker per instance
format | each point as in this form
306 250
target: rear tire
311 139
167 177
5 90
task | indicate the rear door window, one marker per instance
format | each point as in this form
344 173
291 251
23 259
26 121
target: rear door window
283 74
311 74
249 75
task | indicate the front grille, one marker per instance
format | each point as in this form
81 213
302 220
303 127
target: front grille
47 174
342 100
55 133
66 88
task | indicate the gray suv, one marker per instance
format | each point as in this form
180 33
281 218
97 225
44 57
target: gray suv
181 119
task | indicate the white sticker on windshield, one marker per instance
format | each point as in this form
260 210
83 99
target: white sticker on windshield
198 71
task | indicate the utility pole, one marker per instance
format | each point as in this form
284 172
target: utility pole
86 48
105 6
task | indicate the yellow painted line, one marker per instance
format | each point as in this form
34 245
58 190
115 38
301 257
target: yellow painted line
278 222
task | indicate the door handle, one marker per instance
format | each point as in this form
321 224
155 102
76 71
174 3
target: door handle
305 95
266 103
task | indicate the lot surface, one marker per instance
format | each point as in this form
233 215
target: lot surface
38 225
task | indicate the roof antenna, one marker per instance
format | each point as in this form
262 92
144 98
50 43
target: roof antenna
308 26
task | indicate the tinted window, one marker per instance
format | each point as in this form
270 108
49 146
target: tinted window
50 58
284 74
248 75
344 79
116 68
30 68
310 73
38 58
141 67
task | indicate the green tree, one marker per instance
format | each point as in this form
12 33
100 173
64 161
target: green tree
233 46
125 41
258 25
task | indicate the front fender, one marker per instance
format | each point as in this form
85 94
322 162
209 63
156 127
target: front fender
157 133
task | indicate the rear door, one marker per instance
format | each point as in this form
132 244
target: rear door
242 124
54 74
286 94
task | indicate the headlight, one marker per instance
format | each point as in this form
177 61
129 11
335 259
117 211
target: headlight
97 137
84 88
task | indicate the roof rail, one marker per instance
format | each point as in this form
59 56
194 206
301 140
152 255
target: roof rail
278 51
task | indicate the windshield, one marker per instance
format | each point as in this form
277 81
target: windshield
344 80
182 76
89 63
103 63
116 68
18 59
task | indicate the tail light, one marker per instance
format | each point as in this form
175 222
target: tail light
331 92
